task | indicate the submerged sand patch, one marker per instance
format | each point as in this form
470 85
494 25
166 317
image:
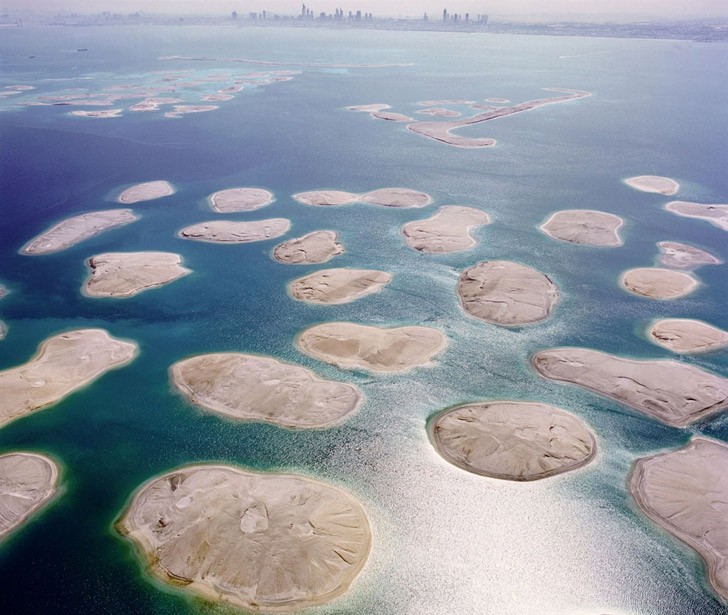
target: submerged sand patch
146 191
685 335
447 231
657 283
253 540
337 286
386 197
584 226
227 231
717 215
240 199
314 248
683 256
653 183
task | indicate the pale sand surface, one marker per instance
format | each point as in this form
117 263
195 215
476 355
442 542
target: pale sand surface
685 492
123 274
391 117
397 197
446 101
336 286
439 112
105 114
512 440
447 231
74 230
685 335
657 283
180 110
671 391
3 330
384 350
314 248
653 183
256 388
373 108
261 541
584 226
683 256
146 192
28 481
227 231
326 197
63 363
507 293
240 199
717 215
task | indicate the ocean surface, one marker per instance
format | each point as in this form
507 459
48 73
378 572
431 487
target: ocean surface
445 541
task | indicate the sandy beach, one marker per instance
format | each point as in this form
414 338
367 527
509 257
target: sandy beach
657 283
337 286
687 336
584 226
445 232
146 191
227 231
314 248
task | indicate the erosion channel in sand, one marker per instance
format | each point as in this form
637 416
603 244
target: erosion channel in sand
447 231
147 191
239 199
314 248
687 336
336 286
584 226
227 231
657 283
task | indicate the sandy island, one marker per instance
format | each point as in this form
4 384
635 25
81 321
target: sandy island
584 226
74 230
105 114
260 541
28 482
447 231
326 197
180 110
686 336
147 191
673 392
376 349
256 388
336 286
386 197
657 283
123 274
682 256
717 215
314 248
239 199
62 364
653 183
507 293
227 231
3 330
512 440
439 112
684 492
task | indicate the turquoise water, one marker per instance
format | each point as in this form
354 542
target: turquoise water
445 541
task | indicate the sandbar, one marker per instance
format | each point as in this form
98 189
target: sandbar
683 256
653 183
507 293
584 226
673 392
256 388
657 283
227 231
147 191
447 231
684 492
124 274
397 197
326 197
28 481
336 286
74 230
512 440
260 541
314 248
686 336
240 199
717 215
62 364
376 349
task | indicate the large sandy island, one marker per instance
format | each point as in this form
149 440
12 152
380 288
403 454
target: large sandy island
682 256
657 283
63 363
447 231
507 293
335 286
74 230
255 388
257 541
227 231
240 199
146 192
124 274
28 482
326 198
685 492
584 226
403 198
351 346
673 392
314 248
685 335
653 183
717 215
512 440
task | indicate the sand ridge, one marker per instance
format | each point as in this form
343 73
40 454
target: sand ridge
146 191
337 286
653 183
658 283
584 226
228 231
445 232
239 199
717 215
686 336
314 248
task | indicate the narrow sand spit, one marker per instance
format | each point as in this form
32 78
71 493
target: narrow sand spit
326 197
351 346
386 197
314 248
686 336
684 492
255 388
673 392
336 286
259 541
653 183
447 231
683 256
584 226
147 191
717 215
512 440
239 199
63 364
226 231
657 283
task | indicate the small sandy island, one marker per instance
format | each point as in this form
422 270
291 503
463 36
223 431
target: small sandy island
147 191
386 197
227 231
447 231
351 346
439 112
717 215
74 230
239 199
671 391
124 274
653 183
686 336
336 286
682 256
3 330
314 248
584 226
28 482
512 440
657 283
63 363
391 117
684 492
103 115
326 197
507 293
255 388
260 541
